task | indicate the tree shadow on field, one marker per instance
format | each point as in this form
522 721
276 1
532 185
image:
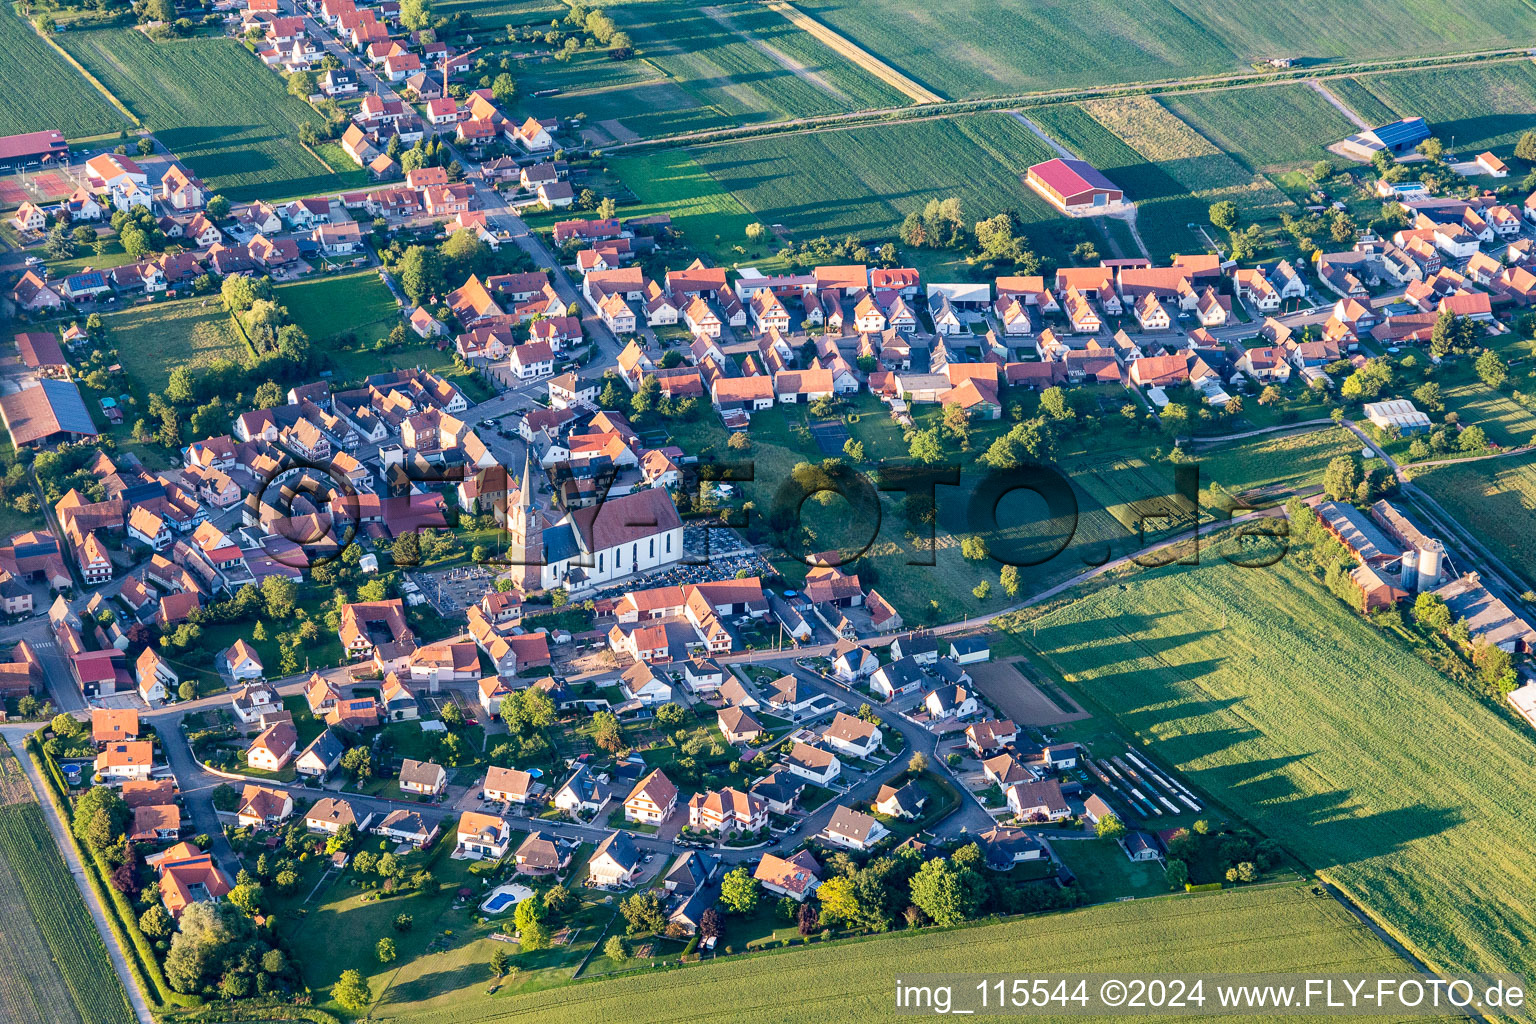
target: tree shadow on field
438 983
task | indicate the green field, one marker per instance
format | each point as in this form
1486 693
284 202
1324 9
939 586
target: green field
739 74
706 217
973 48
865 180
214 105
1485 106
1496 500
1277 126
1362 102
1327 735
1506 421
153 340
1280 928
53 966
325 307
43 91
620 100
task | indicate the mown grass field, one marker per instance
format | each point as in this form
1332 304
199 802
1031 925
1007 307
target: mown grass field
153 340
1280 928
1505 421
865 180
1484 106
1327 734
973 48
42 91
356 303
1277 126
213 104
54 968
1495 499
635 93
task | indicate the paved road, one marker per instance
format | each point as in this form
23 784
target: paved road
16 736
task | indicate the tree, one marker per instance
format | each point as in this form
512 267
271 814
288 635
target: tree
1473 439
1009 578
739 891
740 441
101 817
1224 214
357 763
973 547
406 550
924 446
156 922
499 961
918 763
1177 874
352 991
385 948
1432 149
1491 369
301 84
1053 403
756 232
187 690
421 273
503 88
948 895
558 899
532 934
1342 477
66 726
1428 396
415 14
1322 171
606 732
854 450
670 714
217 208
982 590
1525 149
644 913
616 949
1109 827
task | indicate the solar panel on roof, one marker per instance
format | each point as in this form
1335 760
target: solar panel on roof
68 407
1409 131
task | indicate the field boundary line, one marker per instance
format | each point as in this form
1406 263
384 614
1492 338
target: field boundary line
1338 103
111 97
854 53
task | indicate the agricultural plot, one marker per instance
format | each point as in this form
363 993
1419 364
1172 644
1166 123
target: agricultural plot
477 16
1326 733
1281 928
1277 126
1484 106
213 104
1495 499
1505 421
42 91
705 216
153 340
618 100
54 968
972 48
1355 96
853 181
746 82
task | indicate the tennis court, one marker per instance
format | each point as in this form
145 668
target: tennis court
53 185
830 436
12 194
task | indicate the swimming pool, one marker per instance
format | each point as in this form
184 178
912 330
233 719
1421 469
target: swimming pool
504 897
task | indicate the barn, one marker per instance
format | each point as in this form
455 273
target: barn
1400 137
1073 185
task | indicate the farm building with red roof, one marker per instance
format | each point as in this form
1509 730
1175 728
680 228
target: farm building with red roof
1073 186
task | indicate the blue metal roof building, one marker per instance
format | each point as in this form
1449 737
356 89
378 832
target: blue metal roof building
1400 137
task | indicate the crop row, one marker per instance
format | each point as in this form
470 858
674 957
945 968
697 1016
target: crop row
54 904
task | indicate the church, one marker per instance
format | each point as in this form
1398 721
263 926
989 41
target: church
591 546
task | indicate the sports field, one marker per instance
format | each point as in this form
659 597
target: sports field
1495 499
865 180
1484 106
1280 928
1329 736
213 104
43 91
151 341
1275 126
53 966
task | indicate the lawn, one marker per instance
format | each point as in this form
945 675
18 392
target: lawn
329 308
1282 928
1105 873
851 181
43 91
1291 461
1495 499
1485 106
53 966
213 104
1278 126
153 340
1326 734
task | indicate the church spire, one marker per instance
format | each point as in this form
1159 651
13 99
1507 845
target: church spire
526 495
